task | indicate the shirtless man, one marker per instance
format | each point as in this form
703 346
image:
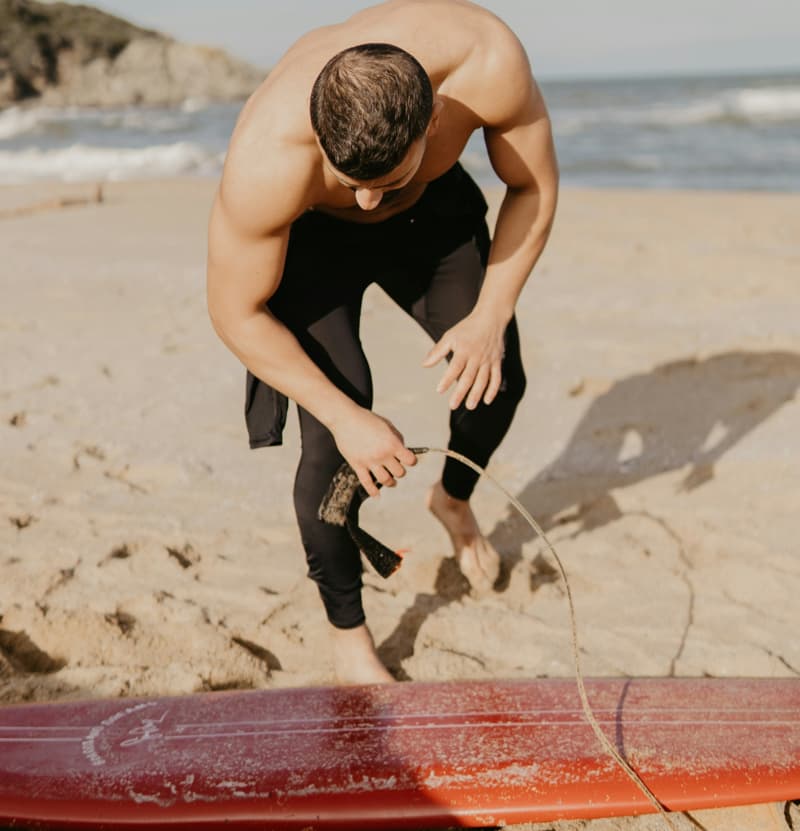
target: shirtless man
343 171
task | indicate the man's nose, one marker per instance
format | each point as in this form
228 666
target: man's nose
368 199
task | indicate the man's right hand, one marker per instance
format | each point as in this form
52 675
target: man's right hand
374 448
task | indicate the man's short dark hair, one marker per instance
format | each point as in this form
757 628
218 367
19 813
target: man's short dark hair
369 104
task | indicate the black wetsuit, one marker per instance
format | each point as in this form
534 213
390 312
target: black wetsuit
430 259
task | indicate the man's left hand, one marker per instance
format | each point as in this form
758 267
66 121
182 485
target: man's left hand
476 348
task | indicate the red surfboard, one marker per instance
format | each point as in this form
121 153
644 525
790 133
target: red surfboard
411 755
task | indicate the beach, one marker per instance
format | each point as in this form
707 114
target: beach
146 550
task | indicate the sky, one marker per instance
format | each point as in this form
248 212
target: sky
564 38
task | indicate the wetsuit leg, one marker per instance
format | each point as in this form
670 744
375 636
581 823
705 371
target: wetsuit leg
437 297
334 561
431 261
319 300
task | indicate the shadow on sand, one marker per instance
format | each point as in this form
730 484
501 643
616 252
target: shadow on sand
682 414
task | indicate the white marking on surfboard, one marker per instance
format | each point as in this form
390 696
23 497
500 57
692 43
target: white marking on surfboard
149 729
609 713
461 727
88 745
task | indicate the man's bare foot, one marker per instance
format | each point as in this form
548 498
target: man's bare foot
476 557
355 659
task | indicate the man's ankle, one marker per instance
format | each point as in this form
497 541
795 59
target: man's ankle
355 658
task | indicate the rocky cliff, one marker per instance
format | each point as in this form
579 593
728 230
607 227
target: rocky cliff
65 54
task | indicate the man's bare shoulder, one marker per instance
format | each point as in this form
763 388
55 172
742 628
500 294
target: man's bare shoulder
270 170
496 79
471 55
273 170
459 37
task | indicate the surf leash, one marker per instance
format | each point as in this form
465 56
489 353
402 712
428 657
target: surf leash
340 507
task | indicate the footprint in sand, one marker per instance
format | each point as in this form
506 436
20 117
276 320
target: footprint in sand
20 653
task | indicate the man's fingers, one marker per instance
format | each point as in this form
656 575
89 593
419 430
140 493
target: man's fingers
386 475
407 457
383 476
454 371
465 382
478 387
396 469
440 350
495 380
367 482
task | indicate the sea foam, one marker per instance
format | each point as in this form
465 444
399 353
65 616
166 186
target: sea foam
81 162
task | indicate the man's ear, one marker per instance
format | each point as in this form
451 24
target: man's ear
433 126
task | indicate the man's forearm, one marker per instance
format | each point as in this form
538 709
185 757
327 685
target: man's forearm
272 353
521 232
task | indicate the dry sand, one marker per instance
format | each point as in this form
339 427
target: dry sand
145 550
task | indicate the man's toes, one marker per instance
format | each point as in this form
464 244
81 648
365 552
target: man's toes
481 572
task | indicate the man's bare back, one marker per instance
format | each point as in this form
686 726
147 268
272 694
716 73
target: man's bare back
471 70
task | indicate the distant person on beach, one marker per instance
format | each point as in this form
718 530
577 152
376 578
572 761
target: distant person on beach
342 172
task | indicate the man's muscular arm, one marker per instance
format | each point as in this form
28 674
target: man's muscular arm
247 243
520 145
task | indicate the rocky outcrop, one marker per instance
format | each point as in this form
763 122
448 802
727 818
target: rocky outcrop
62 54
155 71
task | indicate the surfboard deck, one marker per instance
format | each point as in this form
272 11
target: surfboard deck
414 755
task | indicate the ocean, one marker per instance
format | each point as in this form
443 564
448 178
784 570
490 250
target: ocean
722 133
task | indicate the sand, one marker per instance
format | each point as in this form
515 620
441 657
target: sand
146 550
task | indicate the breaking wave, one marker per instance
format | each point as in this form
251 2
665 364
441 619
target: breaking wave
81 163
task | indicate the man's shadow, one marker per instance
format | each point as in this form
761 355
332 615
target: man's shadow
685 413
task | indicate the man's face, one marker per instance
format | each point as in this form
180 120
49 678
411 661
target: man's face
369 194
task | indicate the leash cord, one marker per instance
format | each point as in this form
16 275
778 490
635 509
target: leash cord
587 710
